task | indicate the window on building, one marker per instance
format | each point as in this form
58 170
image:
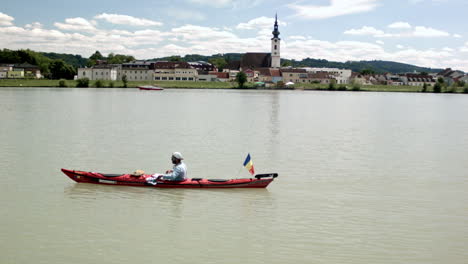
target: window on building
276 47
177 78
157 78
164 78
190 79
171 78
184 78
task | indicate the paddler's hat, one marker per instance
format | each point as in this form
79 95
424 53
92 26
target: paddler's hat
177 155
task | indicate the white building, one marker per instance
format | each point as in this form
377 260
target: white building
342 76
108 72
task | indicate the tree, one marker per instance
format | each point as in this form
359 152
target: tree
60 70
175 58
286 63
119 59
96 56
241 79
219 62
125 81
437 87
424 88
367 72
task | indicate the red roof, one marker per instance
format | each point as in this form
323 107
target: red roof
221 75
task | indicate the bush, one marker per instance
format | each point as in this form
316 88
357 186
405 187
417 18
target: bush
83 82
342 88
98 84
125 81
356 87
437 87
62 83
465 90
424 88
331 86
111 84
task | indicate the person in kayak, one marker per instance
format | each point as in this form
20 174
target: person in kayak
178 172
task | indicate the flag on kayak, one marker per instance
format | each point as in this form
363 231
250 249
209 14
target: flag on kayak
248 164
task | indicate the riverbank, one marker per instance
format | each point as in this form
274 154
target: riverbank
224 85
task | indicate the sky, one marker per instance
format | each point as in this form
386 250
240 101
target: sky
429 33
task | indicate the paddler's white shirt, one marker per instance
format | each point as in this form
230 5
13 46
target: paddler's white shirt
179 173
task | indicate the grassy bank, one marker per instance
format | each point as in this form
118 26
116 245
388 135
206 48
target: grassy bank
224 85
72 83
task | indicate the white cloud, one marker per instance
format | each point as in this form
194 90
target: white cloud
127 20
457 36
34 25
260 23
380 42
76 24
297 37
6 20
400 46
400 25
365 31
227 3
334 9
429 32
418 31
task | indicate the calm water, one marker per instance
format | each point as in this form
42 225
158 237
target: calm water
364 177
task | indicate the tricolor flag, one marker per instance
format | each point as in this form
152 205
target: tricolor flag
248 164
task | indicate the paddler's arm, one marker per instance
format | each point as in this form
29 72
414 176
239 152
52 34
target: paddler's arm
174 175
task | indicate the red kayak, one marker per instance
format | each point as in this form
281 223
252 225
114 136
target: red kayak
260 180
150 88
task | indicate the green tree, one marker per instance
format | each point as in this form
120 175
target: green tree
175 58
424 88
219 62
367 72
437 87
119 59
241 79
98 84
331 85
286 63
60 70
125 81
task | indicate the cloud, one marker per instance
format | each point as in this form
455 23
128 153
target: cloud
416 32
457 36
365 31
127 20
400 46
6 20
76 24
34 25
190 39
429 32
260 23
334 9
400 25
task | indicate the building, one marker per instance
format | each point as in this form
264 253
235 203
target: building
275 46
174 71
137 71
419 79
342 76
105 72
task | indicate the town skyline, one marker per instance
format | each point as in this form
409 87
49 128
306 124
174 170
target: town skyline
336 30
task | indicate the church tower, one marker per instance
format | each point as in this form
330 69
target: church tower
275 46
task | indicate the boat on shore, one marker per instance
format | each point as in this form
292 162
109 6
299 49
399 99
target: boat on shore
259 181
150 88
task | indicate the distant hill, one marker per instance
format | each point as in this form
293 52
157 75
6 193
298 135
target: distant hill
74 60
356 66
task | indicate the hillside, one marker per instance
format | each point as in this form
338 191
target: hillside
357 66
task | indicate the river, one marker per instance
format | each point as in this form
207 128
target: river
363 177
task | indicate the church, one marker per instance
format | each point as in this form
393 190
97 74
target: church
259 60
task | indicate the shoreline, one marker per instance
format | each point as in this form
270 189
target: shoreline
32 83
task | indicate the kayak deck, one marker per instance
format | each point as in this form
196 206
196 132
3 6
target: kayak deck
260 181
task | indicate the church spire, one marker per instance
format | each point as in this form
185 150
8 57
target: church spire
275 30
